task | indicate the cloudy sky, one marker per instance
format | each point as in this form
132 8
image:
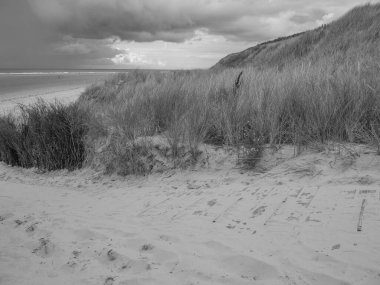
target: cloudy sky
163 34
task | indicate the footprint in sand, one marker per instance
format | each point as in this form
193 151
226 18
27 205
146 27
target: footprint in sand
259 211
24 220
117 262
146 247
5 217
75 260
309 219
193 185
76 253
293 217
112 255
44 249
20 222
31 228
109 281
365 180
135 266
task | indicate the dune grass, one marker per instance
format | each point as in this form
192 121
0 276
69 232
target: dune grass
325 90
300 104
48 136
355 32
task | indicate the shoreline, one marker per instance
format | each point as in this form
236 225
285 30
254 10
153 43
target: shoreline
27 88
63 96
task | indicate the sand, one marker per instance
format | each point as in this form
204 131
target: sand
294 222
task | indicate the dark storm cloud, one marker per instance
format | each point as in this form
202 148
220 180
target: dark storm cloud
130 20
28 42
168 20
79 33
86 52
21 34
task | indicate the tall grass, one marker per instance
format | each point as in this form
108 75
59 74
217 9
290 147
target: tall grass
46 136
245 108
357 32
300 104
322 85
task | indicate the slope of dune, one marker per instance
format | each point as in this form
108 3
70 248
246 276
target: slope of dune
355 33
295 222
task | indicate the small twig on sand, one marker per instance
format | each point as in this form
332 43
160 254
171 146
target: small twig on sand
359 228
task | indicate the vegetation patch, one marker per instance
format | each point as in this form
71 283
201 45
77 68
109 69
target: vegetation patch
46 136
318 86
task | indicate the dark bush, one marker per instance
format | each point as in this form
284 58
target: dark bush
48 136
10 142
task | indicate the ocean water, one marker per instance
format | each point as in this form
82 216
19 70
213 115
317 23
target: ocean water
32 82
20 86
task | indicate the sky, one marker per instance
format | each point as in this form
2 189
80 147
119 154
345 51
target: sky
162 34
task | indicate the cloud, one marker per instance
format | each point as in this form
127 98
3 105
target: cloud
130 58
176 20
21 34
87 33
308 17
28 42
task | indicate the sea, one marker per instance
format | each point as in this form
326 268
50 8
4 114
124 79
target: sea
19 85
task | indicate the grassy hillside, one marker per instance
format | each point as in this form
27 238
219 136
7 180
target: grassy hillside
313 87
358 31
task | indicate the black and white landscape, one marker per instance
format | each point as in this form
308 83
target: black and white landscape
189 142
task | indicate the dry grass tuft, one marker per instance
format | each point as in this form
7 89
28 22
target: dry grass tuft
46 136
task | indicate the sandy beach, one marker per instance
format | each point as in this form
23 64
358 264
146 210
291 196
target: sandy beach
295 223
228 142
26 88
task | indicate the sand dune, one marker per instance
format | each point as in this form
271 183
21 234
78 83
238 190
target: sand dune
295 223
